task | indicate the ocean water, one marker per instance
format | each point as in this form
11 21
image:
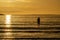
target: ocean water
13 27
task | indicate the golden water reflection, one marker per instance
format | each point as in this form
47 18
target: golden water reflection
23 25
8 21
8 33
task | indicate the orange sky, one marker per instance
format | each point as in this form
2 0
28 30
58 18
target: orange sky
30 6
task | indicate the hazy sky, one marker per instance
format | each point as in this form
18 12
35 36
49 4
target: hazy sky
30 6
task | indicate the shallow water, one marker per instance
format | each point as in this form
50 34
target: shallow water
26 26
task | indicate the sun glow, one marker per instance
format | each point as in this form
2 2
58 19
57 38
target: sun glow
23 0
8 35
15 0
6 0
8 20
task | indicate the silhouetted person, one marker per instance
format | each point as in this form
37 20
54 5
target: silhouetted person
38 20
